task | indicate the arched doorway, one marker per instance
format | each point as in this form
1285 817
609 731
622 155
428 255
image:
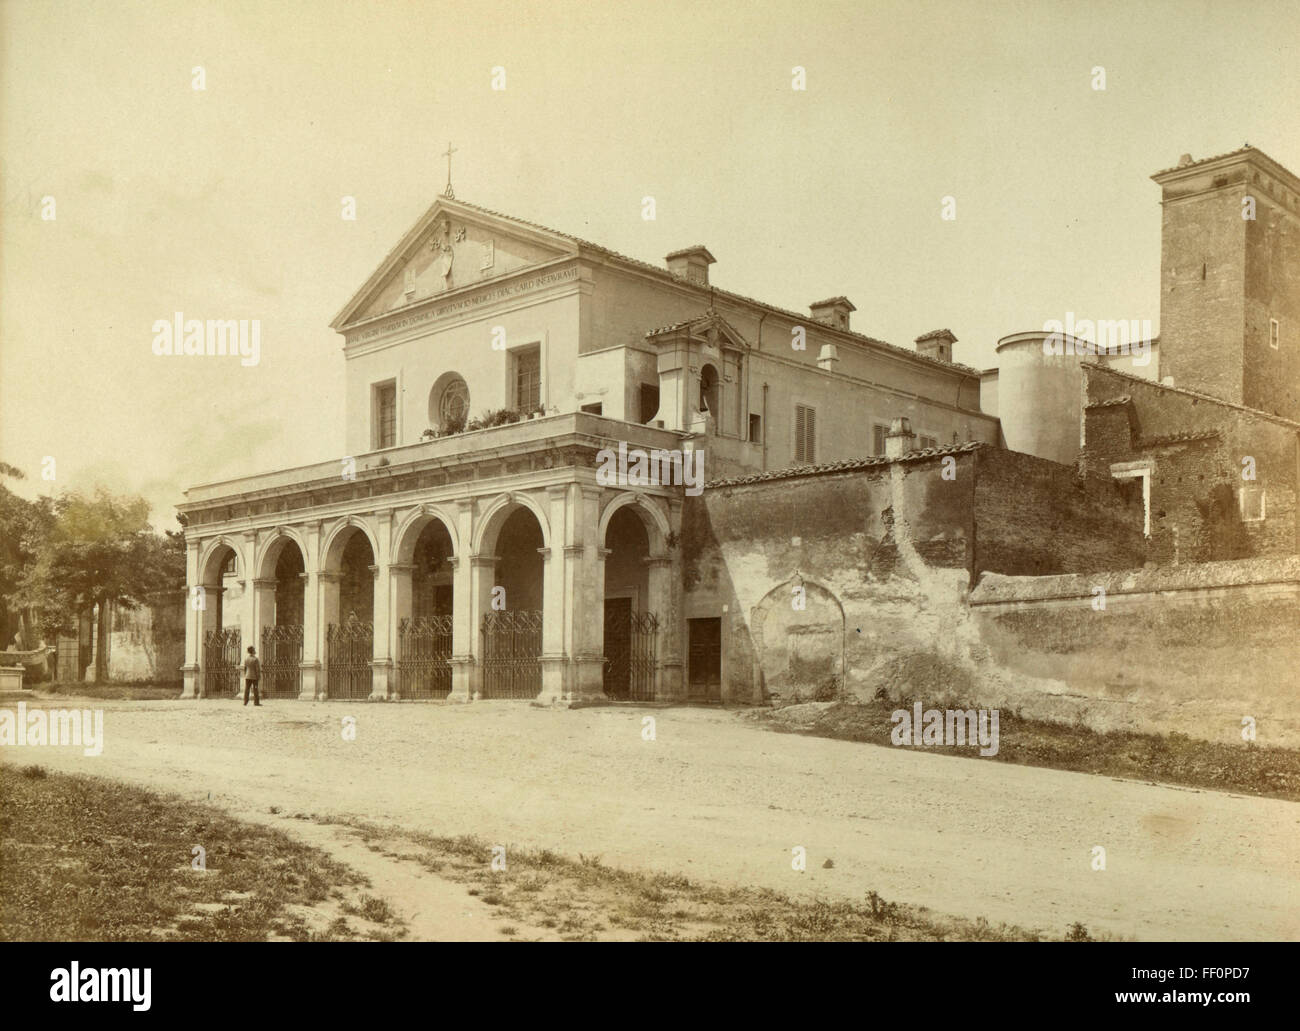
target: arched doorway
425 635
349 614
631 628
221 656
512 625
282 627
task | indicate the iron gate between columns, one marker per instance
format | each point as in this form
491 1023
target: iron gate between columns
424 657
281 661
349 648
221 662
512 654
631 647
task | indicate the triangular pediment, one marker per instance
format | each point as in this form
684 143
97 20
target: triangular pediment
708 329
452 246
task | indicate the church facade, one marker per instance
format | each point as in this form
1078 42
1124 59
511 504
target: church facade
467 545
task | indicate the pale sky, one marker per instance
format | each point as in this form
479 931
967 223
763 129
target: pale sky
225 203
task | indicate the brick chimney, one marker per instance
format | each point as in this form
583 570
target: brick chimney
899 440
936 344
834 311
691 264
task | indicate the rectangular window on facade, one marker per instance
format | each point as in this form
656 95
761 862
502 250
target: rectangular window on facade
755 429
805 435
926 442
385 415
1252 504
528 379
878 432
1273 331
649 401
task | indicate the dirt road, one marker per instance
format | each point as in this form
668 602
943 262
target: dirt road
720 800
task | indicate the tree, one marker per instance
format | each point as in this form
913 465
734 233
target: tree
102 552
24 528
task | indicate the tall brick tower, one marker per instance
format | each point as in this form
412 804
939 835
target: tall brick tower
1230 284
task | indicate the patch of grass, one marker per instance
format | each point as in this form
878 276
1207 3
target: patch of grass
86 859
1169 758
583 899
150 691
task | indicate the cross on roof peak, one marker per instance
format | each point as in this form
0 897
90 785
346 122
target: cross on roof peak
449 192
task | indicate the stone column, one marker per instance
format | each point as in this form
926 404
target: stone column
311 617
381 664
584 584
195 607
400 577
672 672
329 613
554 610
482 575
464 610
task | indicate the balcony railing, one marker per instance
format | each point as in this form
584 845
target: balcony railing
497 442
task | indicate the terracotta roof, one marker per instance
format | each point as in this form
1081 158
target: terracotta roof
834 300
1246 149
691 250
1192 393
936 333
705 316
1178 438
847 465
665 274
1123 399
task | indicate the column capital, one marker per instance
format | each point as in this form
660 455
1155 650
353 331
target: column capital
658 560
545 553
558 490
330 578
374 570
402 567
484 561
573 549
265 581
604 553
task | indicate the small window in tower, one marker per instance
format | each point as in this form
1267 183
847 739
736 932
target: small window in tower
528 379
384 430
878 432
755 428
805 435
1273 333
928 442
1252 504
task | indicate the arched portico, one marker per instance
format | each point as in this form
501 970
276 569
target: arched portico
279 609
347 609
423 611
512 566
634 570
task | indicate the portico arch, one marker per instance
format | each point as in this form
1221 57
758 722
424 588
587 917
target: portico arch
221 632
279 612
513 566
655 522
348 566
495 515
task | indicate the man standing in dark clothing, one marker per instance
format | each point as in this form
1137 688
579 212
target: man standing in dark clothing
252 674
